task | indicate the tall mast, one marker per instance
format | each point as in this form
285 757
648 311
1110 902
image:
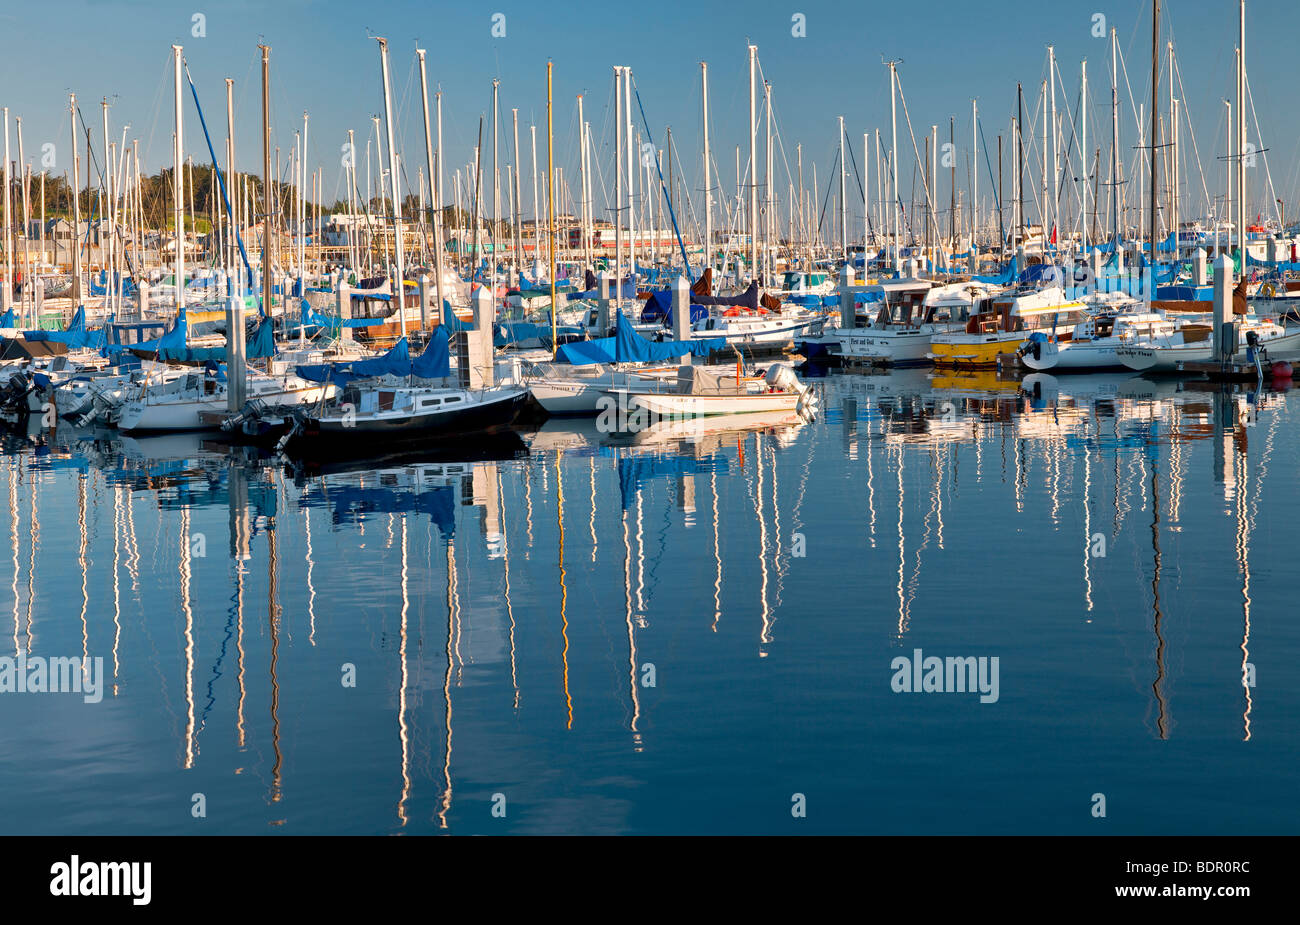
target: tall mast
631 152
1241 131
844 200
1020 159
753 166
392 182
1083 143
518 203
268 297
496 177
550 201
537 216
974 172
1056 191
582 159
618 181
436 209
893 156
708 187
9 222
230 173
179 211
1114 139
1155 136
76 202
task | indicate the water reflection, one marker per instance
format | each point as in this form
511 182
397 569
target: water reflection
476 600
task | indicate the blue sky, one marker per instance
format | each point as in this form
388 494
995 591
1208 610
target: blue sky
324 62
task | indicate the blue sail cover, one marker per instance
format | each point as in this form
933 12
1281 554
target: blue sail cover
173 339
259 346
451 322
435 361
7 319
75 335
627 346
659 307
312 317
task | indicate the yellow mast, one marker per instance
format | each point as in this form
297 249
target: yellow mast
550 200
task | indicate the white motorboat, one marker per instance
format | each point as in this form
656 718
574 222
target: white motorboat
697 392
179 404
1115 322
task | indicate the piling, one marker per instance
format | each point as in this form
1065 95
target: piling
424 301
1225 332
343 300
1200 274
848 313
682 312
604 283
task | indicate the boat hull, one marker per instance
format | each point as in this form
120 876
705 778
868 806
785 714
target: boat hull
358 437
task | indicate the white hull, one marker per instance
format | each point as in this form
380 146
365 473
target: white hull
1099 354
184 414
894 347
677 406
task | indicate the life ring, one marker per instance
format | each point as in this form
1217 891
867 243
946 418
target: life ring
1268 290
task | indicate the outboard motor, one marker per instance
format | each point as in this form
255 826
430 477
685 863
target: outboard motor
783 378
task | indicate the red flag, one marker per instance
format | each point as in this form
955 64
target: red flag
1053 234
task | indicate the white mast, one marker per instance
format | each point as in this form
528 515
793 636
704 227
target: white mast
753 167
586 187
392 170
433 184
1241 131
1056 191
631 173
844 202
177 193
708 188
1114 139
618 180
975 172
893 154
1083 144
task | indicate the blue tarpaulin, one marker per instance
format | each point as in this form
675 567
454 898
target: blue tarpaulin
433 363
627 346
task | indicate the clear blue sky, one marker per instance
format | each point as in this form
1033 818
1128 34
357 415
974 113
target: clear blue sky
324 62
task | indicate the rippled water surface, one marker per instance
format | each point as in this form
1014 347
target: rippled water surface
675 633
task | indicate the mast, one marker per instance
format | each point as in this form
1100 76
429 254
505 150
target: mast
268 293
516 212
1020 159
76 201
8 209
177 192
392 180
1155 136
629 151
1241 130
550 201
1056 191
1114 139
753 166
708 188
975 172
844 201
893 155
618 182
1083 143
433 184
537 215
582 139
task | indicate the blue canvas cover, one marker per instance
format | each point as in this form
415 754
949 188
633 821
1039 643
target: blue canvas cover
627 346
435 361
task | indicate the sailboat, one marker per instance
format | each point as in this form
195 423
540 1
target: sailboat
366 415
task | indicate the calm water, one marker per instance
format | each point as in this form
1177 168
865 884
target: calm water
622 638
